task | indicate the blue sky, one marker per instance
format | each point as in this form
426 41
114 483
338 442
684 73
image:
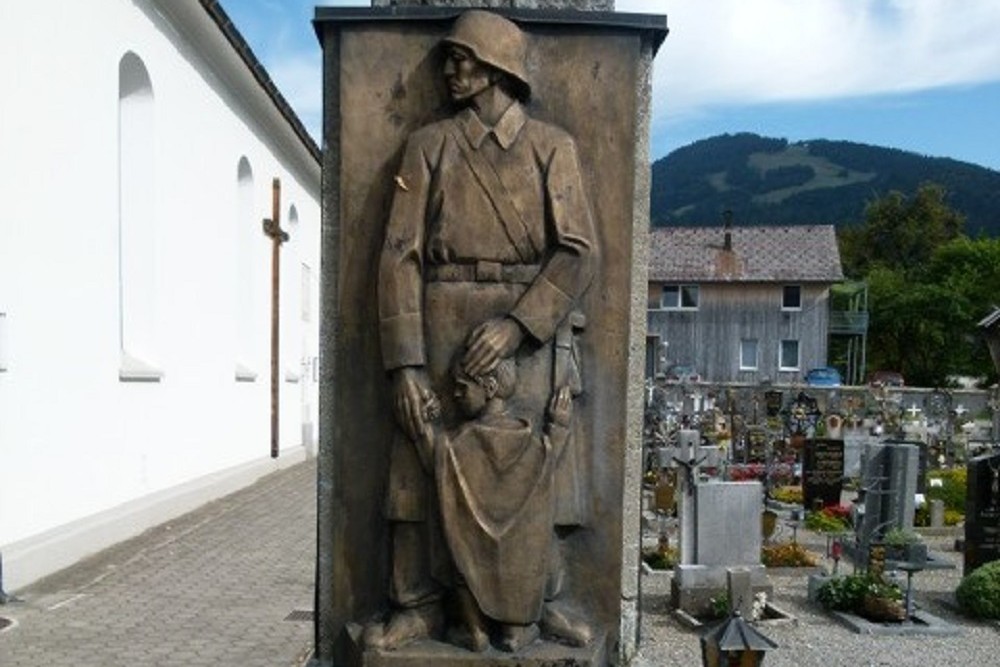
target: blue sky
919 75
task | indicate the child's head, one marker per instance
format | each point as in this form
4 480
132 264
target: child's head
472 393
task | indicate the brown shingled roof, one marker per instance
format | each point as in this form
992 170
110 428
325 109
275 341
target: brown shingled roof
801 253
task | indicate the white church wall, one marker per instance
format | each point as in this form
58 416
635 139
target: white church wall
79 445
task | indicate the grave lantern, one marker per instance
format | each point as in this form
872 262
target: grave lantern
734 643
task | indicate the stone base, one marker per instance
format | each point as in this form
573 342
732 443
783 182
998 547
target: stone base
540 653
693 586
920 623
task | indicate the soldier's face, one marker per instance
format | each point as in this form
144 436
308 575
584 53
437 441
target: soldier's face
465 76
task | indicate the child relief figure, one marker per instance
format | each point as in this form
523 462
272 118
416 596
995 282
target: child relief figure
494 482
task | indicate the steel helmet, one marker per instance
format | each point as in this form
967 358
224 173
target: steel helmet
494 40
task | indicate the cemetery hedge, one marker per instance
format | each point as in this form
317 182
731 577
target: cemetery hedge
978 594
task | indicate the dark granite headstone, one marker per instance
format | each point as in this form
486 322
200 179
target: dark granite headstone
922 461
888 485
822 472
982 512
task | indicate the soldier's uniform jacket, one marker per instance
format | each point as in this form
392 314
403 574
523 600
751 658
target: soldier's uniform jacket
442 215
453 258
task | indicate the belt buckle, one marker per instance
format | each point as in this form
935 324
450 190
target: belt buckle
489 272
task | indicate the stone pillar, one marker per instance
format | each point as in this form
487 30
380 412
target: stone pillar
579 5
382 84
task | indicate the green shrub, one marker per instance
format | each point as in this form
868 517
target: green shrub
922 517
953 517
843 593
900 537
718 607
847 593
952 490
978 594
661 558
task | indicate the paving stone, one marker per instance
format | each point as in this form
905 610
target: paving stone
209 588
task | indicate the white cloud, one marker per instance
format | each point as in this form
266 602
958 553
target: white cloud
739 52
746 52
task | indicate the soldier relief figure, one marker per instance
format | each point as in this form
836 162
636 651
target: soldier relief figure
489 247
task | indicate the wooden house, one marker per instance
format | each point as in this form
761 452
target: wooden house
741 304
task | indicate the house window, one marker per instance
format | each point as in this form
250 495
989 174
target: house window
748 354
791 297
788 355
679 297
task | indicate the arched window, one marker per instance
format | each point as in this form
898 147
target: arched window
294 281
246 230
136 221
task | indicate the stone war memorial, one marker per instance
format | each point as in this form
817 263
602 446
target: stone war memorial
485 212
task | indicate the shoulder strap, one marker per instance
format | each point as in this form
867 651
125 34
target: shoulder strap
488 179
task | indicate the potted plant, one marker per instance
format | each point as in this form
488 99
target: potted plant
882 601
864 594
904 545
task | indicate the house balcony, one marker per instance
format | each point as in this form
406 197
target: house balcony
851 323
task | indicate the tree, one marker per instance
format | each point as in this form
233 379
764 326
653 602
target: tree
928 284
901 232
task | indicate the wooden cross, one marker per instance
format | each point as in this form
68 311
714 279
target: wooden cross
272 227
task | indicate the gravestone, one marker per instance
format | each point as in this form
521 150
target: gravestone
937 513
475 294
720 529
923 460
855 441
822 472
888 486
982 512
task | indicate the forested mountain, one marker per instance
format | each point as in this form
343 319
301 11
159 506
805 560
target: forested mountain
771 181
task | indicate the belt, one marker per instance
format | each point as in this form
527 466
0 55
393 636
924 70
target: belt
483 272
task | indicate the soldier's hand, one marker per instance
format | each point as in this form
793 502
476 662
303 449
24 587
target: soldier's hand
410 395
490 342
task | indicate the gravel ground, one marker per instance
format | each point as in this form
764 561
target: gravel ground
818 639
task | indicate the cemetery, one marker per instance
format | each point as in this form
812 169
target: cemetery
496 484
771 502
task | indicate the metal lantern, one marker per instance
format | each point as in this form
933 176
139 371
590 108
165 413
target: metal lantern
734 643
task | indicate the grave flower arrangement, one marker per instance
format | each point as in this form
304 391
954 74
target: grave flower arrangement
905 545
788 554
719 607
792 495
865 594
830 519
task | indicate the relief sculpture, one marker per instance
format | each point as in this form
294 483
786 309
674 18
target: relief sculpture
489 247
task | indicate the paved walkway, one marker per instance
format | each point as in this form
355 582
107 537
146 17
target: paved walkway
214 587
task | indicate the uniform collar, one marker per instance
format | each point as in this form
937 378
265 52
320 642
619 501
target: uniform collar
505 131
